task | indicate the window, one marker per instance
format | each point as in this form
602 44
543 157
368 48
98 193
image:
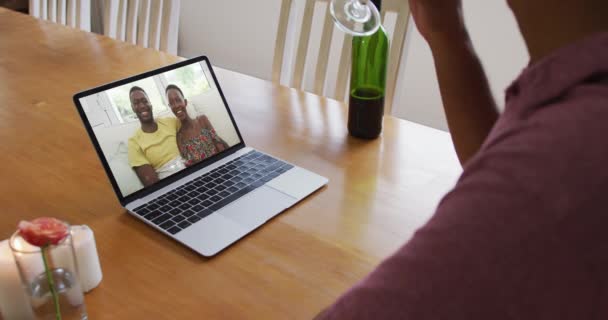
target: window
119 97
190 79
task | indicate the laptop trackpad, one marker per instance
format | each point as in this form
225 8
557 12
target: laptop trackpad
257 207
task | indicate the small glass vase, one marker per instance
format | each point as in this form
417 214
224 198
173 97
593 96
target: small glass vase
67 300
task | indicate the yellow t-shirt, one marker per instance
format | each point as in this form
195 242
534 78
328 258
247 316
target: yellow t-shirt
156 148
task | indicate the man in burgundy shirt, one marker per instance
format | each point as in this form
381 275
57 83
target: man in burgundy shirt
524 234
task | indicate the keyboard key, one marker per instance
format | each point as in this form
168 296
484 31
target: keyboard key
216 198
172 197
142 212
231 167
231 198
183 199
179 218
153 206
180 192
184 224
203 213
210 185
223 171
174 230
175 203
240 185
237 179
257 176
194 219
220 188
257 183
232 189
140 207
215 175
203 197
188 213
153 215
194 194
175 211
207 203
190 187
207 179
224 194
199 183
211 192
161 219
162 202
274 166
248 180
219 181
229 183
167 224
194 201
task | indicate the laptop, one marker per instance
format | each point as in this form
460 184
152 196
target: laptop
177 161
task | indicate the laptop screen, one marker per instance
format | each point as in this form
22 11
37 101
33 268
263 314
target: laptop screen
153 127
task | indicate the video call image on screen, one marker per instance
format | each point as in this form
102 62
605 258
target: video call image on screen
152 128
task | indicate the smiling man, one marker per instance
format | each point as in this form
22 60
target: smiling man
153 151
523 233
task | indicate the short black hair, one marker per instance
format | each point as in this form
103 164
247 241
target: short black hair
172 86
136 88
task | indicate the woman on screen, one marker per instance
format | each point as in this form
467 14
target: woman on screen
196 139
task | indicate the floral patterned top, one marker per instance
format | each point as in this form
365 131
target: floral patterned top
199 148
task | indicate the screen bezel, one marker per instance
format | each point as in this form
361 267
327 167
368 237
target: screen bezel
176 176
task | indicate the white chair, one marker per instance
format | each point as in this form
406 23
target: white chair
73 13
398 7
147 23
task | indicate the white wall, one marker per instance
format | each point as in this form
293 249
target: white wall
500 47
235 34
240 35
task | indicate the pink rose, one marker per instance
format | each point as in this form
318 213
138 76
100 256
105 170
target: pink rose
41 232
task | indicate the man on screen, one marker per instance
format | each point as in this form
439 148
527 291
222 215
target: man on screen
153 152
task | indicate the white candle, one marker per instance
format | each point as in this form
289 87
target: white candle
14 302
87 259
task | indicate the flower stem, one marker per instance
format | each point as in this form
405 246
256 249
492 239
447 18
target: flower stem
49 278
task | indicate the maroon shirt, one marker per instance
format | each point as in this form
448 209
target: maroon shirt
524 234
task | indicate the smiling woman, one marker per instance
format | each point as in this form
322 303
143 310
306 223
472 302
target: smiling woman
196 139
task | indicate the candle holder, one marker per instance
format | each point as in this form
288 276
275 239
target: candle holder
50 278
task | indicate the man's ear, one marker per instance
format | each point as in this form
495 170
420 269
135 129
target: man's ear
186 102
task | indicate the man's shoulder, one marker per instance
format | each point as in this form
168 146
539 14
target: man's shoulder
135 137
168 122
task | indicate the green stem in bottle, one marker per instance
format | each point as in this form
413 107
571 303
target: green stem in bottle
49 278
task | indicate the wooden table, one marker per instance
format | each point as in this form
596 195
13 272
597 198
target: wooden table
379 192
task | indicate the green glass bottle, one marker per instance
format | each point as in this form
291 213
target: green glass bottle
368 83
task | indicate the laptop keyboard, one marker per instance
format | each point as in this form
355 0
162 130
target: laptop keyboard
180 208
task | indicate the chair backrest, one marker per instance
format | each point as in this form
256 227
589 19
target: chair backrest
73 13
147 23
399 8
